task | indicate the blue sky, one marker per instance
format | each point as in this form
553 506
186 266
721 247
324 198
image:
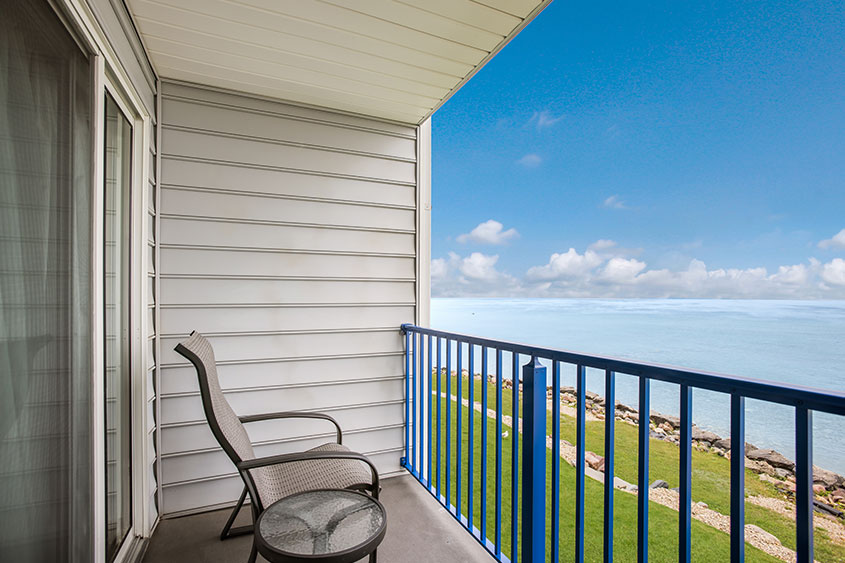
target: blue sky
703 144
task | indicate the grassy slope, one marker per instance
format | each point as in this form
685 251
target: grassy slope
711 484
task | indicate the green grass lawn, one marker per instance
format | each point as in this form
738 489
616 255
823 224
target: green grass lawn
711 484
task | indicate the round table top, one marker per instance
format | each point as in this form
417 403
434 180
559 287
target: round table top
329 525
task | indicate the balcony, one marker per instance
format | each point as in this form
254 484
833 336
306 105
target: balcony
457 503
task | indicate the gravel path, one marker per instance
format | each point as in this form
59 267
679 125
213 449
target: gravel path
833 527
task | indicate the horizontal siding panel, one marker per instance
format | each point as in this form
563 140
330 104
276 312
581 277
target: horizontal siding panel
216 463
271 346
213 492
172 90
240 291
260 319
184 231
260 124
263 208
262 153
324 371
225 262
180 172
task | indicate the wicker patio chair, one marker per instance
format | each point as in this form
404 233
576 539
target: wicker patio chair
268 479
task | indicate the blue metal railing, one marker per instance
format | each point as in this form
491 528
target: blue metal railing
528 536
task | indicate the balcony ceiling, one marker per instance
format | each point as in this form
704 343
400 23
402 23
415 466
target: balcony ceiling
396 60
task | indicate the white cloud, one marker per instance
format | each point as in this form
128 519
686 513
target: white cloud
543 119
602 271
488 232
836 241
478 266
613 202
834 272
622 270
530 160
602 245
439 268
475 274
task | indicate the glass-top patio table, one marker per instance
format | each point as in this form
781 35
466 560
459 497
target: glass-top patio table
327 525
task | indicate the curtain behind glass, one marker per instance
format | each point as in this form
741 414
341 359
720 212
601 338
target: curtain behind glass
45 291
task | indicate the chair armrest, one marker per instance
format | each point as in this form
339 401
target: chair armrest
248 464
293 414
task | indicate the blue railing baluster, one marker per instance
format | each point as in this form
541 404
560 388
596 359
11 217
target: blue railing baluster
515 458
448 424
580 441
430 418
421 383
737 478
534 462
439 401
498 453
459 431
483 499
685 477
407 397
642 476
609 439
804 484
471 438
554 541
413 459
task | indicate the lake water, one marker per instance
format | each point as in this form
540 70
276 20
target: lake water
798 342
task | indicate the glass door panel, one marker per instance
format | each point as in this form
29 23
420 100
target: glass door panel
118 415
45 288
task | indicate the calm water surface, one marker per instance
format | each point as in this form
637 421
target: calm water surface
799 342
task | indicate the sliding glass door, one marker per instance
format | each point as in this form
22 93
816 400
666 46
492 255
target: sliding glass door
46 302
117 327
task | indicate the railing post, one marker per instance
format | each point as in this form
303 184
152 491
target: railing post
737 478
804 484
534 462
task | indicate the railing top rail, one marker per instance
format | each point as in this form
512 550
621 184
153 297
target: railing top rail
794 395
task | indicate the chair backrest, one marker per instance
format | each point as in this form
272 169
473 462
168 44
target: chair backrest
225 424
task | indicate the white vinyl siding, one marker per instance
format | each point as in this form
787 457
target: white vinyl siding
288 237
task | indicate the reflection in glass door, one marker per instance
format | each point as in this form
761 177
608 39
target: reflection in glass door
117 178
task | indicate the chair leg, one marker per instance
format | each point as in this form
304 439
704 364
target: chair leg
228 531
253 554
373 556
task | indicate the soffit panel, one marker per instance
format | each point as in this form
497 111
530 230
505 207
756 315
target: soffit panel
396 60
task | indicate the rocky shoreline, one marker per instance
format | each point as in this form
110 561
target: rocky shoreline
769 465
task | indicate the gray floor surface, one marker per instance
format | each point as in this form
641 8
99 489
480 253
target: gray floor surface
419 530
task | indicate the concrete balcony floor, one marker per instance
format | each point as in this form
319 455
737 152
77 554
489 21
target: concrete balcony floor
419 530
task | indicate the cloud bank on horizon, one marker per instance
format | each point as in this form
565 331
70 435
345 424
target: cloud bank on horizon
604 269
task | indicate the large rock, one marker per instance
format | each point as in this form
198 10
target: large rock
659 484
773 458
594 460
624 408
704 435
827 478
725 444
658 419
